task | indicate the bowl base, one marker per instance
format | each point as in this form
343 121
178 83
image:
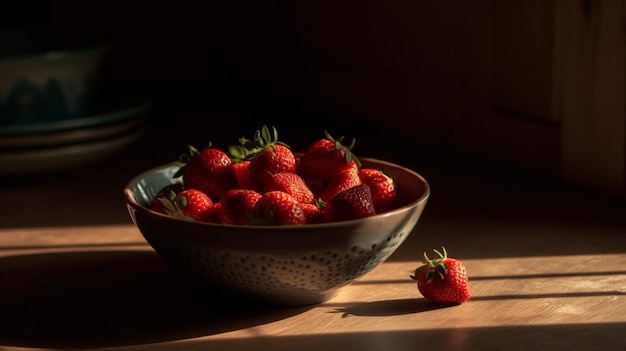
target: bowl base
213 291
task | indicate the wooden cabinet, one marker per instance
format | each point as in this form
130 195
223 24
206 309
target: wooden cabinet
556 74
538 84
589 93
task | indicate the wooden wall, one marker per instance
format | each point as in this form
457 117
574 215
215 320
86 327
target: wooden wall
589 94
538 84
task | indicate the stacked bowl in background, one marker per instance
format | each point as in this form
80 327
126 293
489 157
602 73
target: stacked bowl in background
52 116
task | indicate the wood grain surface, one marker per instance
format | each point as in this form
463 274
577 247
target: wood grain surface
547 269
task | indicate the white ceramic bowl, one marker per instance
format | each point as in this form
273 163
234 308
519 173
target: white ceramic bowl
280 265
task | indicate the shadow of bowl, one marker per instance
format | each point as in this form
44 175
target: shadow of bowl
113 298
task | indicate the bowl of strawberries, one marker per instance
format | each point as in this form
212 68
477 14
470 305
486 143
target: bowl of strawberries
275 226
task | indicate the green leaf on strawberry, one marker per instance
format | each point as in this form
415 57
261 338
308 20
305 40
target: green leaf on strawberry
350 156
248 149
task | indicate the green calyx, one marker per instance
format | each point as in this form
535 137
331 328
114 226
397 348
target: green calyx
184 158
247 149
319 203
175 205
262 216
435 266
350 156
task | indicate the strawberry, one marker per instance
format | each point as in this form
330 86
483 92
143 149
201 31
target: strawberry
325 158
237 206
278 208
213 215
190 204
241 173
353 203
291 184
316 186
271 160
382 187
346 179
443 279
313 212
267 156
209 171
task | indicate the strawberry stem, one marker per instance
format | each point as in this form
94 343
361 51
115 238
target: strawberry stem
434 266
249 148
350 156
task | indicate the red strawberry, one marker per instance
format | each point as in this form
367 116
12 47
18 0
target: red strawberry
313 213
353 203
382 187
315 185
191 204
271 160
214 213
325 158
209 171
278 208
267 156
237 206
291 184
241 173
443 279
346 179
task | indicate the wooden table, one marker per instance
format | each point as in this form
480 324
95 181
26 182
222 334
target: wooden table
547 270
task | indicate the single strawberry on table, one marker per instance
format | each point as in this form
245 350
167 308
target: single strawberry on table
443 279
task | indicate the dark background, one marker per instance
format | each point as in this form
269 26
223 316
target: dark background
358 69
